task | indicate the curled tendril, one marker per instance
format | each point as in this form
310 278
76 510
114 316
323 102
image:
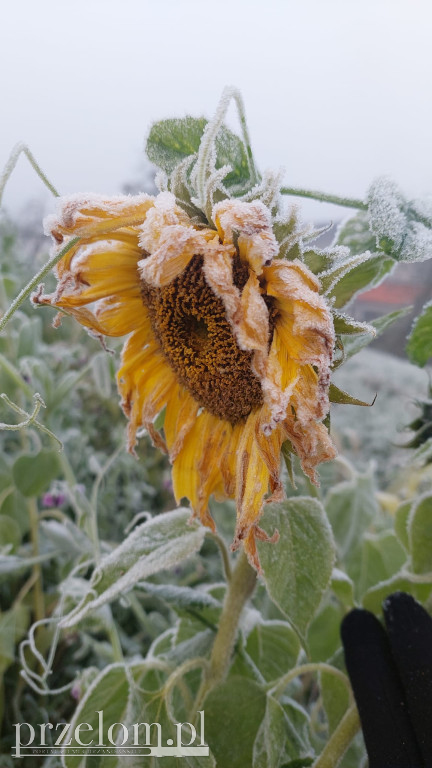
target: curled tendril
30 419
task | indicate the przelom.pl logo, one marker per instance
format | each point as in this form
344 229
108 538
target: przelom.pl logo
139 739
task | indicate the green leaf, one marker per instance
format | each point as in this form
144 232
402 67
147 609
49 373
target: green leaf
401 523
274 648
423 454
148 704
107 694
324 632
181 597
356 235
230 150
33 473
171 141
297 569
343 588
337 395
12 564
10 534
129 696
234 711
355 755
100 365
13 626
381 557
67 538
420 535
403 228
346 325
282 739
351 506
400 582
335 695
14 506
419 347
29 336
7 640
319 261
158 544
353 345
367 274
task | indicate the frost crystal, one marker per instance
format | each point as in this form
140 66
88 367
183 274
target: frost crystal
387 211
403 229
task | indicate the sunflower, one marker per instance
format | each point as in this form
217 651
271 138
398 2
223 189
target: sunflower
233 342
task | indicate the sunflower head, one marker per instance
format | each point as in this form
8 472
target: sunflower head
227 331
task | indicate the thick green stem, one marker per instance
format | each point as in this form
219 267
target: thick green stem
224 554
240 588
322 197
340 740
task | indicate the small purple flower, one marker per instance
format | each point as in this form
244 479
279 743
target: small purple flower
53 499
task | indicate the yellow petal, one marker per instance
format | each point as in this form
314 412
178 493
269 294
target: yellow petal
250 225
177 246
181 414
145 382
196 469
252 479
119 315
90 215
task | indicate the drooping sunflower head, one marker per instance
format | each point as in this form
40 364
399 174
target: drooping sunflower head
232 319
234 343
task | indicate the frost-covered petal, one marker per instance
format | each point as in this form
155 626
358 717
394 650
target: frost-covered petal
249 225
91 215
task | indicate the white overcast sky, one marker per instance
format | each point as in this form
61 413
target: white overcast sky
336 91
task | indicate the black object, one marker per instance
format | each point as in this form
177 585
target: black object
391 676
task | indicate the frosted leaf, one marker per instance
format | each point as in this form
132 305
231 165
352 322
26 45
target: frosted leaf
355 233
422 209
387 216
417 245
154 546
403 229
324 260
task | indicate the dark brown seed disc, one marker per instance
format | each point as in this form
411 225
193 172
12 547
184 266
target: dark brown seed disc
190 324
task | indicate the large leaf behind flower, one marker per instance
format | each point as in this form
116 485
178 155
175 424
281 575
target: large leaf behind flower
297 569
171 141
154 546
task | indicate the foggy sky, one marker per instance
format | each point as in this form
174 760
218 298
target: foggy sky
336 92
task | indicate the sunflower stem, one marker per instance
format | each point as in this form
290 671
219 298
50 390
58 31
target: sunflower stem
224 555
346 202
340 740
240 589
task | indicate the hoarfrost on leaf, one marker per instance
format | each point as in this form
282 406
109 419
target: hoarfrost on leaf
156 545
403 229
387 214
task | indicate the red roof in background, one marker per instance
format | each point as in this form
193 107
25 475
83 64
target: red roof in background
392 293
